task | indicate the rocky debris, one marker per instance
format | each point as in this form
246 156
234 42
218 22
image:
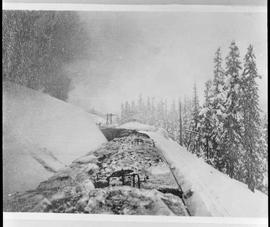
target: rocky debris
101 182
127 200
130 201
124 153
59 181
88 186
42 205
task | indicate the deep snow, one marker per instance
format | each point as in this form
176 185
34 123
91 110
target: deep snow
213 193
134 125
41 135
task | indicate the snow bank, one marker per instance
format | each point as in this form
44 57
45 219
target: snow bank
214 193
134 125
41 135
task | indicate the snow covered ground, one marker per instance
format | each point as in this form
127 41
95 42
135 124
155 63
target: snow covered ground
134 125
41 135
213 193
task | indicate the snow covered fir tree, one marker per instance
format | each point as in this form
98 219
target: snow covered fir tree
228 130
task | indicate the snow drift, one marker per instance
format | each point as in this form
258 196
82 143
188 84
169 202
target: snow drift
213 193
134 125
41 135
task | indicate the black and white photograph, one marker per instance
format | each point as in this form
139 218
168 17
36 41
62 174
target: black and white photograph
136 112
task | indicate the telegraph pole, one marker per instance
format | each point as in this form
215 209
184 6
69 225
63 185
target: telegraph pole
109 119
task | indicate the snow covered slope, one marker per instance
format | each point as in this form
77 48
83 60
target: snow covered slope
41 135
214 193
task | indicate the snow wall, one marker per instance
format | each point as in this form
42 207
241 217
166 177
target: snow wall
41 135
213 193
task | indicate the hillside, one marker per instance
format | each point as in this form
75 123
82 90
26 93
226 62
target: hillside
41 135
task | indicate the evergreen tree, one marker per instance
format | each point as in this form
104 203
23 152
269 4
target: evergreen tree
153 112
122 115
251 122
140 103
193 145
172 122
217 103
218 82
263 186
231 142
181 142
165 123
265 127
36 46
127 111
206 124
187 116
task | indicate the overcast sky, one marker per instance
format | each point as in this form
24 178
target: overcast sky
159 54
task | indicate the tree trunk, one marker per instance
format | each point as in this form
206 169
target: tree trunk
180 125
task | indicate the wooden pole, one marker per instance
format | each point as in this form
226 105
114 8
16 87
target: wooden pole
107 119
111 118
